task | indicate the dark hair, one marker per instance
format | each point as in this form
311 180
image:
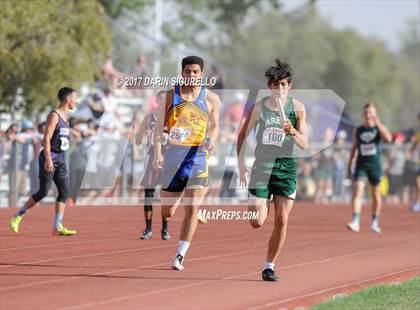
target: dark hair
11 127
64 92
369 104
41 126
193 60
280 71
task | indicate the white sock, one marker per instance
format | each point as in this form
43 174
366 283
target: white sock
58 219
183 247
268 265
375 219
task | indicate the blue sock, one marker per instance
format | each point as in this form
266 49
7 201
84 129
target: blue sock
356 217
58 219
22 211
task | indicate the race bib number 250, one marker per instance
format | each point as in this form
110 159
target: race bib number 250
273 136
179 135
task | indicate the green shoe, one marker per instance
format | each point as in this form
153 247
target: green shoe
63 231
14 223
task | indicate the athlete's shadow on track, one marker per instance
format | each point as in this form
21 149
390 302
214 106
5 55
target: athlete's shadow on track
54 266
123 277
105 276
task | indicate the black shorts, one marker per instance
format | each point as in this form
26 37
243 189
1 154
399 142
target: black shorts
59 175
60 167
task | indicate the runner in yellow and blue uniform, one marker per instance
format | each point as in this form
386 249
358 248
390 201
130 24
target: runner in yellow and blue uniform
186 155
191 116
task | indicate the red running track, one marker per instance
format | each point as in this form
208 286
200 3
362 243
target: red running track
106 266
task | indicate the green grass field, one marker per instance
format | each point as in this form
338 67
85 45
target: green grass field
405 296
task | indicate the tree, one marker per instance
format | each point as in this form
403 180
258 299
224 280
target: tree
362 70
45 45
410 41
408 72
358 69
297 37
211 24
190 22
116 8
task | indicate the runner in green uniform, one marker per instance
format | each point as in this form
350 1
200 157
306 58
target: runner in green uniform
282 125
367 143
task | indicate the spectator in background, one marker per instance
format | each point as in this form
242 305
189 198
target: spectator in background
215 73
14 145
89 148
123 161
110 76
14 127
325 169
152 104
26 156
340 157
396 169
233 112
108 158
9 137
410 170
126 181
34 165
139 156
96 107
108 100
307 190
1 154
416 150
90 109
78 159
228 161
140 71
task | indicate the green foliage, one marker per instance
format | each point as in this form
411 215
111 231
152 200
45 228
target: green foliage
232 12
127 19
45 45
410 40
361 71
298 38
358 69
208 24
116 8
409 74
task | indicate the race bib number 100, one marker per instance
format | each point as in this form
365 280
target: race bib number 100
273 136
368 149
179 135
